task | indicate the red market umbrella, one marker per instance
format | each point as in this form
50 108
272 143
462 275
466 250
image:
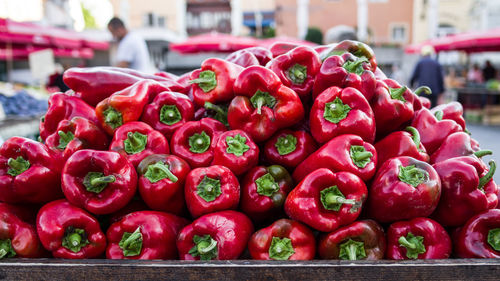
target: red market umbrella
266 43
214 42
21 52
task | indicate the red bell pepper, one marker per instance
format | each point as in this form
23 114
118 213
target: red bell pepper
297 69
167 75
214 111
283 240
452 111
29 172
76 134
289 148
236 151
211 189
144 235
195 141
325 200
404 188
480 236
250 56
401 143
467 189
340 111
344 153
263 192
214 81
456 145
161 182
137 204
420 102
392 107
263 104
280 48
361 240
69 232
18 237
168 112
126 105
344 71
433 130
101 182
136 140
183 80
419 238
216 236
359 49
64 107
379 74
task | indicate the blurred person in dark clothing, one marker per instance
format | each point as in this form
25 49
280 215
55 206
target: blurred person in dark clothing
489 72
428 72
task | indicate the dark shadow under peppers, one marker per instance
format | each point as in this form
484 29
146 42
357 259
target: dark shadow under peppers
289 148
480 236
236 151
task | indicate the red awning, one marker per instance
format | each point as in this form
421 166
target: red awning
266 43
21 52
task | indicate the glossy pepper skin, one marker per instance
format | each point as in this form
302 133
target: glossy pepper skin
297 69
195 141
359 49
144 235
214 81
452 111
137 140
161 182
433 131
69 232
344 71
339 111
64 107
263 104
457 145
29 172
478 238
263 192
280 48
283 240
101 182
392 106
419 238
344 153
18 237
236 151
325 200
216 236
361 240
76 134
126 105
403 188
211 189
401 143
250 56
168 112
467 189
288 148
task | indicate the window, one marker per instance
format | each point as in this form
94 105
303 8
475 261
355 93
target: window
161 21
399 34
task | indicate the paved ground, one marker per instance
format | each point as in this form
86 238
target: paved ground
489 138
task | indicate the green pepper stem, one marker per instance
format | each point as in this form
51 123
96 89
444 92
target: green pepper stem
204 247
404 242
415 135
214 107
482 153
439 115
167 171
75 239
352 252
360 156
18 164
102 180
3 253
424 89
260 102
331 198
486 178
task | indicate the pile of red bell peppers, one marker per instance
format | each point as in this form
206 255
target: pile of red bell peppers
291 153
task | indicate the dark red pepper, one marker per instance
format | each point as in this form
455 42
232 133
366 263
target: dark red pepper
480 236
453 111
289 148
250 56
236 151
457 145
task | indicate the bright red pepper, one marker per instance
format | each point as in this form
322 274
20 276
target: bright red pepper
467 189
263 104
361 240
280 48
29 172
76 134
168 112
18 237
404 188
480 236
289 148
297 69
64 107
344 153
420 102
236 151
325 200
211 189
183 80
161 182
283 240
401 143
102 182
263 192
433 130
216 236
250 56
214 81
144 235
167 75
136 140
69 232
453 111
195 141
457 145
344 71
340 111
419 238
359 49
